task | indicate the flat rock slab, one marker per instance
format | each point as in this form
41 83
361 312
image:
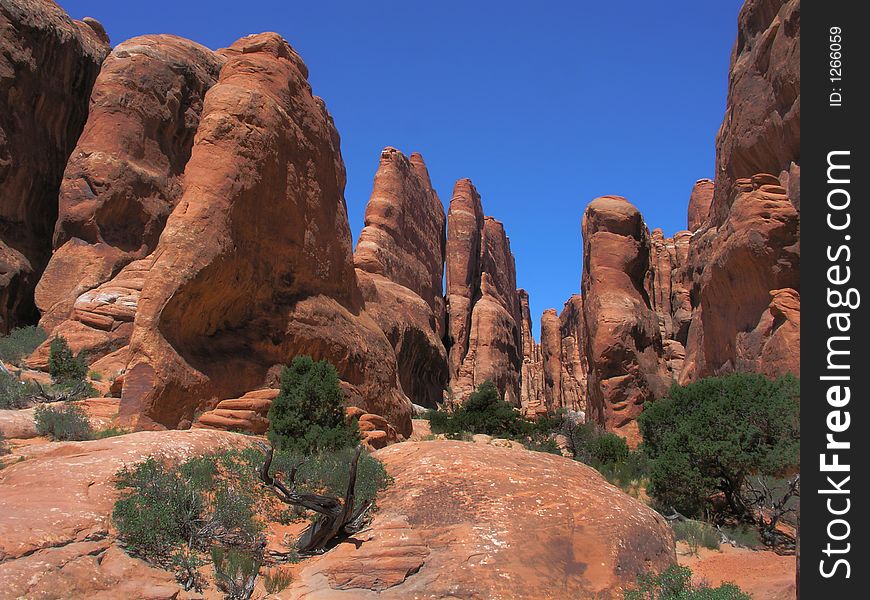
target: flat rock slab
57 504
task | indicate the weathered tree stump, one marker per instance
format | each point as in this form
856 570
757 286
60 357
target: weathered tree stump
336 519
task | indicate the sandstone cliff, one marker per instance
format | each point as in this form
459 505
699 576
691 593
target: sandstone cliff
48 64
400 265
484 321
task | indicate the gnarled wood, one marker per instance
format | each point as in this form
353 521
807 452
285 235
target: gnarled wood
336 519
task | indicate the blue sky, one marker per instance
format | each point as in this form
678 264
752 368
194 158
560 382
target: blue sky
545 106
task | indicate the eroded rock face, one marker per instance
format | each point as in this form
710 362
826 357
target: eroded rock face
755 251
400 265
484 331
254 265
760 132
404 234
65 493
572 329
699 203
124 176
48 64
532 374
551 358
460 523
623 340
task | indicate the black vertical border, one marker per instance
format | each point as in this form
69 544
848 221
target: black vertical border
827 128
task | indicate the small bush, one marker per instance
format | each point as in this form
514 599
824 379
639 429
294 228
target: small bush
608 448
675 583
696 534
3 448
327 473
63 365
236 571
483 412
20 343
308 414
67 422
277 579
13 393
744 535
165 509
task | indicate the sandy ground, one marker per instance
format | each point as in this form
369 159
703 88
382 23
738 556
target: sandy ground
763 574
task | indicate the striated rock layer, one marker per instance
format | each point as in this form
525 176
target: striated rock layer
254 265
48 64
400 266
124 176
460 522
484 321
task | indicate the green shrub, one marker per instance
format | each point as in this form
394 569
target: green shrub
110 432
236 571
483 412
13 393
696 534
277 579
709 436
3 448
675 583
308 413
744 535
63 365
166 510
20 343
608 448
327 473
67 422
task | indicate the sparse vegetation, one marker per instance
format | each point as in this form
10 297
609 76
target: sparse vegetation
214 508
13 393
709 437
483 412
20 343
675 583
277 579
308 414
63 365
109 432
236 571
696 534
171 515
67 422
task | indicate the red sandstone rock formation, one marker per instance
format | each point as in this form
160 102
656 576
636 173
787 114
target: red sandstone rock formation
760 132
400 264
460 522
48 63
623 340
551 358
254 265
699 203
572 329
755 250
531 375
484 325
124 177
